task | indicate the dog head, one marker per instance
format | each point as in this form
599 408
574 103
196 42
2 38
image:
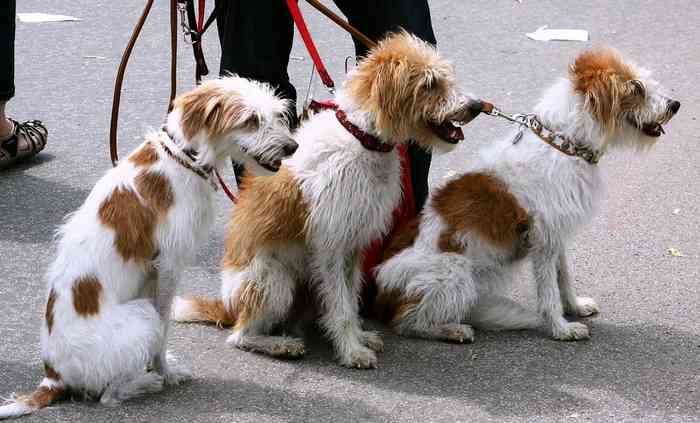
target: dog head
409 91
235 117
627 105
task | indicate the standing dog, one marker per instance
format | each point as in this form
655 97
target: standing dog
524 199
310 223
120 255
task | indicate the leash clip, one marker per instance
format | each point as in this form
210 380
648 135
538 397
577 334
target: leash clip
187 32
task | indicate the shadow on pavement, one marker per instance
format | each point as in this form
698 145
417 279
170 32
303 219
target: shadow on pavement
34 206
514 373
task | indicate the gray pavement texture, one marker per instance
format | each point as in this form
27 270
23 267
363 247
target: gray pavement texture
643 361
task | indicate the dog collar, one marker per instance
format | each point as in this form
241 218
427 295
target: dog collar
368 141
204 172
558 141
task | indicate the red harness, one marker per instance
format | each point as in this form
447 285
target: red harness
407 208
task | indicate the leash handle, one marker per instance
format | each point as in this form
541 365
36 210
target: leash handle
309 43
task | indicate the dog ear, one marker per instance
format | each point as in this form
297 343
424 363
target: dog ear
605 82
214 109
394 82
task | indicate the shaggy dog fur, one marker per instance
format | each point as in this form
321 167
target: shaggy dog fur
304 229
523 199
120 255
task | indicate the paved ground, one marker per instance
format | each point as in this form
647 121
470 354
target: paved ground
643 361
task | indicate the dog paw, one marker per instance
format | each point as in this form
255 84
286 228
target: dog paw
372 340
573 331
292 348
586 307
109 401
362 358
176 375
458 333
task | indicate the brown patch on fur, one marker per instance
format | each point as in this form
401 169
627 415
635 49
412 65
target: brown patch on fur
403 83
208 310
480 203
49 310
86 295
146 155
133 224
271 209
43 396
604 79
155 190
213 108
403 238
51 373
392 306
247 303
447 244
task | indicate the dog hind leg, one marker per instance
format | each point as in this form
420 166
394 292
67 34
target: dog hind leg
118 391
434 299
259 299
495 312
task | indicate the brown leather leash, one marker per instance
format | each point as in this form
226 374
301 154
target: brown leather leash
192 31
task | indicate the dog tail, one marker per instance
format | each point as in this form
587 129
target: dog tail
49 390
494 312
201 310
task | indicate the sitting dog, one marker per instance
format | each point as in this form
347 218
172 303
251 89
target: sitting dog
120 255
305 228
525 198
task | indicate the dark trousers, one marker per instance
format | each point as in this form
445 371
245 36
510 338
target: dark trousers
7 49
256 40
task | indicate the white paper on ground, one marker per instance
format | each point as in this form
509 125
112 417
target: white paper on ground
544 34
45 17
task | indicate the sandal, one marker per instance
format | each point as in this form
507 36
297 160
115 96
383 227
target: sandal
27 139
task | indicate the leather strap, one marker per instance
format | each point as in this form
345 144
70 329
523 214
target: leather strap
120 79
359 36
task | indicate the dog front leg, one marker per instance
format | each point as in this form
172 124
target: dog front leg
573 305
165 292
549 299
338 282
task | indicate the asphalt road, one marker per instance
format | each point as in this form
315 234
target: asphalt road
643 362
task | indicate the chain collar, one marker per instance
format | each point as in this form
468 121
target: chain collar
557 140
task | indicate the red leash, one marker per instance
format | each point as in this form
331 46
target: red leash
231 196
309 43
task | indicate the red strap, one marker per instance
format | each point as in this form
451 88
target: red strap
309 43
403 213
228 192
200 19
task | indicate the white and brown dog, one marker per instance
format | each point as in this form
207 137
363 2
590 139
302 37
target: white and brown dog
304 229
525 198
120 255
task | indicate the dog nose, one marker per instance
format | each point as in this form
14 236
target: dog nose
674 106
290 148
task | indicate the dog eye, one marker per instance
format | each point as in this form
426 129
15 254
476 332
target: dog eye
638 87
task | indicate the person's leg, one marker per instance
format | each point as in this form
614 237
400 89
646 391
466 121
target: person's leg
7 63
17 140
256 40
376 18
